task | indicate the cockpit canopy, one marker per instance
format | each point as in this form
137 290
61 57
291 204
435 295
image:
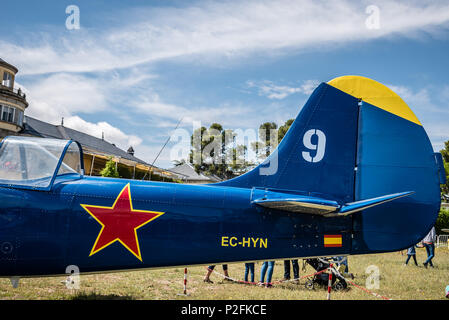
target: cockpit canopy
36 162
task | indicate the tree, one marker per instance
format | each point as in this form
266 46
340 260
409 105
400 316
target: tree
269 143
214 152
445 154
283 129
265 145
442 221
110 170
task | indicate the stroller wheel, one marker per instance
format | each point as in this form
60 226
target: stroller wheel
339 286
309 285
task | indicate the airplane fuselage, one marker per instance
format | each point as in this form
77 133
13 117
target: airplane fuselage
43 232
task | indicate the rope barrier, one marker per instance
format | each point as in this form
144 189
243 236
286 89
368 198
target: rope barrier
370 292
266 283
331 268
360 287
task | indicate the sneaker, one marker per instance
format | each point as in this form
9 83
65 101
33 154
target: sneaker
268 285
425 265
227 279
260 284
285 279
208 280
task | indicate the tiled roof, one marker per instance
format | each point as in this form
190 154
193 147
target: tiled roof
189 172
43 129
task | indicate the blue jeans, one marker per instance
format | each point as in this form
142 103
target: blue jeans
267 265
430 248
408 258
249 267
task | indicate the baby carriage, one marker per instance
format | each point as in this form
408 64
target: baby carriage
322 279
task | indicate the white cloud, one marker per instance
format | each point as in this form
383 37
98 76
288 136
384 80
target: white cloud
154 107
231 29
273 91
111 134
64 95
309 85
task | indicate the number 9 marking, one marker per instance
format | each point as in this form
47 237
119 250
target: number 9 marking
320 147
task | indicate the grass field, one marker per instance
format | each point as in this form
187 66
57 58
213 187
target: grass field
397 282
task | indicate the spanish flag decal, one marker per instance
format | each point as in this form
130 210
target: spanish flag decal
332 240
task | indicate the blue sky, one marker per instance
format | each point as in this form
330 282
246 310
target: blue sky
134 68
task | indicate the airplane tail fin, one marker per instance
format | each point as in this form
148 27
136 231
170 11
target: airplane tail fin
318 152
355 139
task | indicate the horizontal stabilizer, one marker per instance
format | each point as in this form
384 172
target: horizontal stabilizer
368 203
324 207
300 204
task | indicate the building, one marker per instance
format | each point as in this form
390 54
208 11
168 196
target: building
12 102
190 176
96 151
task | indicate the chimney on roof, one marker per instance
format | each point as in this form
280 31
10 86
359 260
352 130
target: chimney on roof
102 135
62 122
130 151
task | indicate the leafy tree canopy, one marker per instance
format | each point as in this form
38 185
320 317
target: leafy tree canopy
214 152
110 170
445 154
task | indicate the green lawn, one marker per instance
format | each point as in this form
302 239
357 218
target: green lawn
396 282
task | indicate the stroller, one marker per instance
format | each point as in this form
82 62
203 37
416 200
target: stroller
322 279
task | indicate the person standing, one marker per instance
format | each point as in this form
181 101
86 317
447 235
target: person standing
267 267
287 270
411 252
211 268
249 268
429 244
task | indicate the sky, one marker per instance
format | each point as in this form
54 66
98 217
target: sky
133 69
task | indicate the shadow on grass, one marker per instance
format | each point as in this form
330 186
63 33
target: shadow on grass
97 296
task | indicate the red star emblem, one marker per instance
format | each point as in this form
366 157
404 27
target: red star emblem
120 223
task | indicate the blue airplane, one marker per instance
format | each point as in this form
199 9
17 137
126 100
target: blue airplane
355 174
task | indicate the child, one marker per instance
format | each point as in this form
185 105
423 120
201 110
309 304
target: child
411 253
249 267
